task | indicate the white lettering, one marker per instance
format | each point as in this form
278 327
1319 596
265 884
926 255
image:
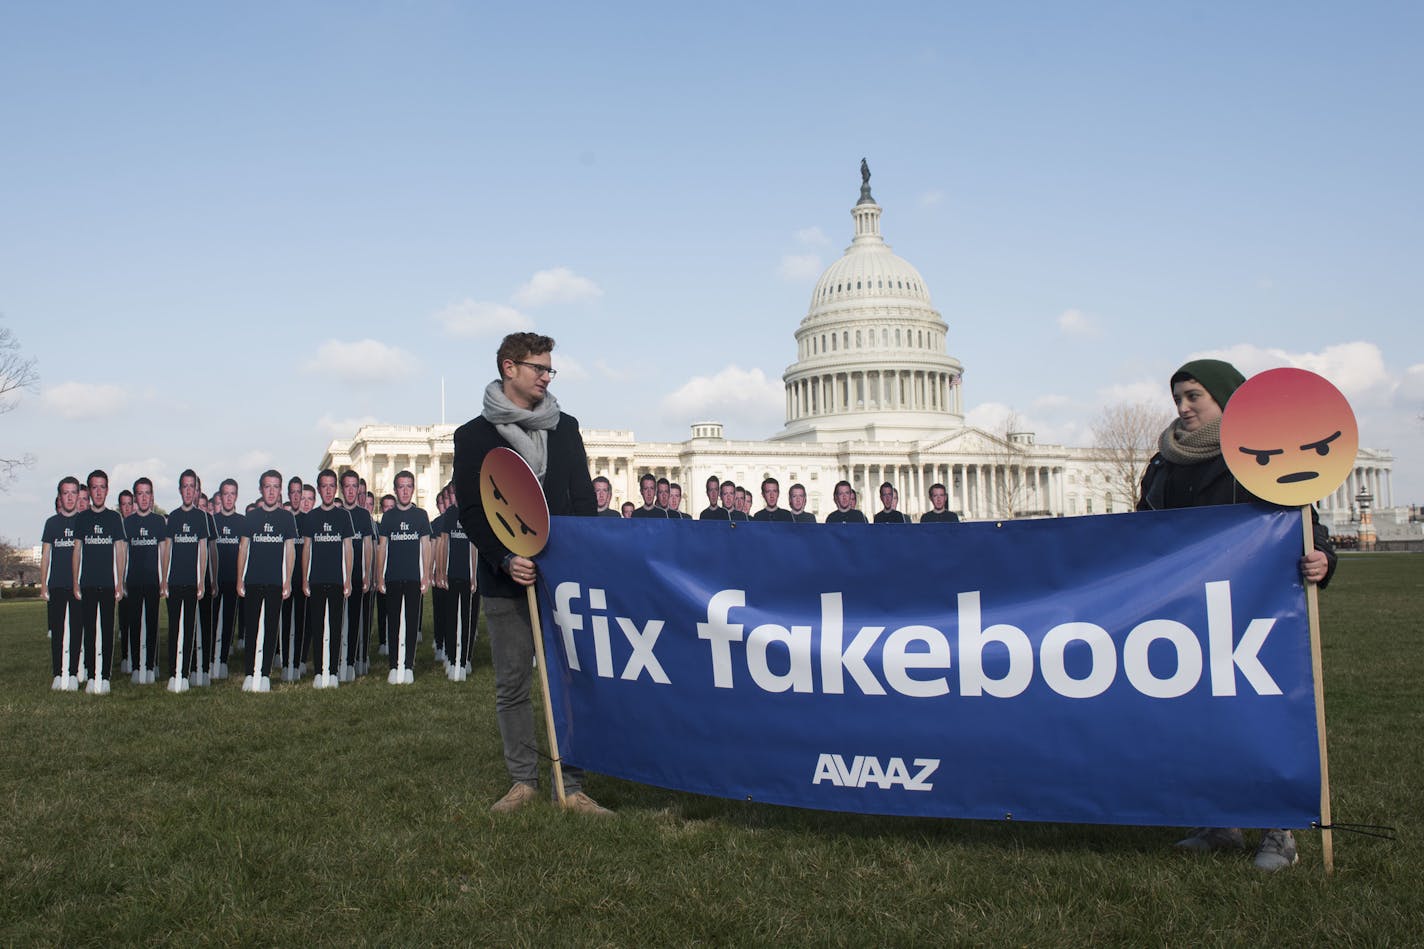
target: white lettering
602 648
721 633
568 621
899 661
1053 660
1189 659
1016 648
917 661
834 660
642 643
927 766
1224 659
797 641
865 770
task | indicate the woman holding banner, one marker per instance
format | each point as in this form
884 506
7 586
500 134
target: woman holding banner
1189 471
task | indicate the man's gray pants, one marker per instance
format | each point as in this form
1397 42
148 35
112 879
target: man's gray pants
512 650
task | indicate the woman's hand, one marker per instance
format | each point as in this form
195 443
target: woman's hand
1313 567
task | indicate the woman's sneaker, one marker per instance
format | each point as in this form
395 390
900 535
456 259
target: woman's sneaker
1277 851
1213 838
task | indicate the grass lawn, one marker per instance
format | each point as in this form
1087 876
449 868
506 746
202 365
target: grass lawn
360 815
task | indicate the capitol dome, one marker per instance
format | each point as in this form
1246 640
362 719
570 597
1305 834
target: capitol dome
871 358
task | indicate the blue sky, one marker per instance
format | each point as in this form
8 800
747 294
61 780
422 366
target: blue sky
228 234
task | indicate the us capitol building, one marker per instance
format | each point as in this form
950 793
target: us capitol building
873 396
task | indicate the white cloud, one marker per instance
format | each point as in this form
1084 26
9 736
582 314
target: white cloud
1409 395
799 267
477 318
341 427
993 417
743 399
1142 392
929 199
569 369
610 372
557 285
165 480
1356 368
85 400
812 236
1077 323
362 361
989 416
257 459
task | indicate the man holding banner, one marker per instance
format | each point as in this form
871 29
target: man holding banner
520 414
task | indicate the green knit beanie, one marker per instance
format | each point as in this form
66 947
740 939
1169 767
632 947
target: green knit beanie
1219 378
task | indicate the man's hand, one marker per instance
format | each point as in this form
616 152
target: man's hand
521 570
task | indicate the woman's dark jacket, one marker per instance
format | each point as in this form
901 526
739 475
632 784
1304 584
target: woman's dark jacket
1167 486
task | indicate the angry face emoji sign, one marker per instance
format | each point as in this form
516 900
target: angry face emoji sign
514 502
1289 436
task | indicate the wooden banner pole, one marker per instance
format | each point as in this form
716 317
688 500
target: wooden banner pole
1312 607
544 684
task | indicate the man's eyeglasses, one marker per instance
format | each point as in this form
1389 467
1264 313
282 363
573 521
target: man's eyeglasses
538 369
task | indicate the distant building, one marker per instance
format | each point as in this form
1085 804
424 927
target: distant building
873 396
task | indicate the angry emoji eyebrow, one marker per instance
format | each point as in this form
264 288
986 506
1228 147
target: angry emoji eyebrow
1321 447
1262 455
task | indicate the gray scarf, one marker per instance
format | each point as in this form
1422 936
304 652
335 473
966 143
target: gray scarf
527 430
1182 447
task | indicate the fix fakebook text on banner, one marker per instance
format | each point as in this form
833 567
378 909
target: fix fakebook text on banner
1147 668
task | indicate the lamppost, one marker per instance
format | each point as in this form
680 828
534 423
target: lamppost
1367 525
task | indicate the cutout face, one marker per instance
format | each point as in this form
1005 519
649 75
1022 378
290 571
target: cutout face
1289 436
514 502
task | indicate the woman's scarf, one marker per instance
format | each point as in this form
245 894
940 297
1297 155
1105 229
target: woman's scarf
527 430
1182 447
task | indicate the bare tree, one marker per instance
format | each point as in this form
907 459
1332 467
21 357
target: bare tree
1126 435
17 374
1009 494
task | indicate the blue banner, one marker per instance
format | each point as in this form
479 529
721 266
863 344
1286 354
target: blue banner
1147 668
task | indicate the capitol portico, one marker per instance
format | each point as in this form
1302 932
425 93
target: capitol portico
873 396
